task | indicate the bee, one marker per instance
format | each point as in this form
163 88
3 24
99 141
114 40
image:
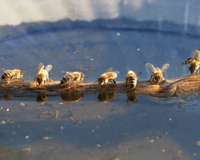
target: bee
43 74
72 77
105 95
157 76
194 62
108 76
131 79
12 74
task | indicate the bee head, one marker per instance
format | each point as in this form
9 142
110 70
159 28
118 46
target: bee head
192 69
132 86
39 80
100 80
157 78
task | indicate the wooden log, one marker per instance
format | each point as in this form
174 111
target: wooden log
172 87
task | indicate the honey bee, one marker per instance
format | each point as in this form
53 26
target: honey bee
194 62
43 74
12 74
105 95
157 76
108 76
72 77
131 79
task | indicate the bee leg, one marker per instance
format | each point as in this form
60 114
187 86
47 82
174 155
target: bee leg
105 82
70 85
114 82
8 81
34 80
126 82
150 79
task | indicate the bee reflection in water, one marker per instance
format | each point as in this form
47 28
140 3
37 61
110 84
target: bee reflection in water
131 97
41 97
71 96
106 94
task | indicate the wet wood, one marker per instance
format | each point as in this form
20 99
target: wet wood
170 88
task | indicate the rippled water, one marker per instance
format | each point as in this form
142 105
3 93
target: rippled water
96 125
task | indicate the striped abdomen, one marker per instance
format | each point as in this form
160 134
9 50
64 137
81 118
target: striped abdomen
6 76
66 79
132 81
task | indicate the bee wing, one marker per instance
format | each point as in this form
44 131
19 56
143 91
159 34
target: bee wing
196 54
68 73
48 68
151 67
40 67
117 72
109 70
8 71
164 67
135 76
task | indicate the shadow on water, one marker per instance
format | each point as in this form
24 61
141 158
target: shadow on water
77 124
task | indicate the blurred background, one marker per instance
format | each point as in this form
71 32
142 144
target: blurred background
92 36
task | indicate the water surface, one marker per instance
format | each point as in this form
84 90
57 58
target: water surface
93 126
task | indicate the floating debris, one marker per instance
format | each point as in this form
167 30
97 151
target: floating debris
47 138
151 141
198 143
194 154
27 137
3 122
22 104
27 149
98 145
118 34
57 113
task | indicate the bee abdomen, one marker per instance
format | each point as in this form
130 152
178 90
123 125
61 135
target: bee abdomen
131 81
64 80
4 76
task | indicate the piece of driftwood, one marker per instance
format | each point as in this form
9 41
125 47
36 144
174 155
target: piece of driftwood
170 88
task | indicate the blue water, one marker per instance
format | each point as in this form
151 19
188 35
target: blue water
84 127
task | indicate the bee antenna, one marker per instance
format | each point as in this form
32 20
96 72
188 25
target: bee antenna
87 77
